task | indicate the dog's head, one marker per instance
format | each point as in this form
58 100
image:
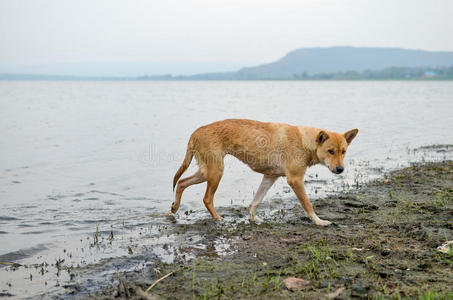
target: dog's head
332 148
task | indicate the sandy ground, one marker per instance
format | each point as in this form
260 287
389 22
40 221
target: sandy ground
383 244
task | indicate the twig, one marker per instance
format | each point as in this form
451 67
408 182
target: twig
11 263
142 294
162 278
126 292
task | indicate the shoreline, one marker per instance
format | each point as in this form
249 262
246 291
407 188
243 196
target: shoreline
382 245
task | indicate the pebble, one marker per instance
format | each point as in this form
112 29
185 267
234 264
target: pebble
295 284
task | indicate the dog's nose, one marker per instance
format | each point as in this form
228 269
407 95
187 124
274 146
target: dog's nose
340 170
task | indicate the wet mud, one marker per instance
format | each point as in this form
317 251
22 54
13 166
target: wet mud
382 245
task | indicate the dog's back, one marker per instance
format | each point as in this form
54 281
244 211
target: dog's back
257 144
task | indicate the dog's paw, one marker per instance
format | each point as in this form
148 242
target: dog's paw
318 221
255 219
323 222
170 216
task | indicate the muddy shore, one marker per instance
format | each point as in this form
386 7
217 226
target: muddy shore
382 245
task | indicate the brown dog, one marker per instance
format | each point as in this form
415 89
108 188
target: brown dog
273 149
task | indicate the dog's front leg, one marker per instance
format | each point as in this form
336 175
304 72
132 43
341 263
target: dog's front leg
297 184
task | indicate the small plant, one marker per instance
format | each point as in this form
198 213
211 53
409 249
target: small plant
96 235
321 262
443 197
272 282
276 281
111 234
212 289
433 295
248 283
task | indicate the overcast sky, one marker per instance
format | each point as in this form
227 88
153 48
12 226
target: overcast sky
242 31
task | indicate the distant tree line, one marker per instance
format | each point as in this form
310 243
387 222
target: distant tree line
392 73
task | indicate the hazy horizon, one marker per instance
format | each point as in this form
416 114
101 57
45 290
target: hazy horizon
197 36
122 68
134 69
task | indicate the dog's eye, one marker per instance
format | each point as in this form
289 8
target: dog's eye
343 152
331 151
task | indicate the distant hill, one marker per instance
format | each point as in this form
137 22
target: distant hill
334 63
342 59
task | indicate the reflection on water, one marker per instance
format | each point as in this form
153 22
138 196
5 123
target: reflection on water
84 161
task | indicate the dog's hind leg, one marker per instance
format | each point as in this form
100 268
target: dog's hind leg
264 187
213 176
182 185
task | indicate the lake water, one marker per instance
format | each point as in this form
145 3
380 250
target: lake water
76 155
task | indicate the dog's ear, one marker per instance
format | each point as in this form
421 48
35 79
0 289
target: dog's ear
350 135
322 137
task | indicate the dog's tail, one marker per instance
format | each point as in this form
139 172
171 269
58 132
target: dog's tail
185 164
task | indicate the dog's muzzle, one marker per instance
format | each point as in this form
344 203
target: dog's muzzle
338 170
